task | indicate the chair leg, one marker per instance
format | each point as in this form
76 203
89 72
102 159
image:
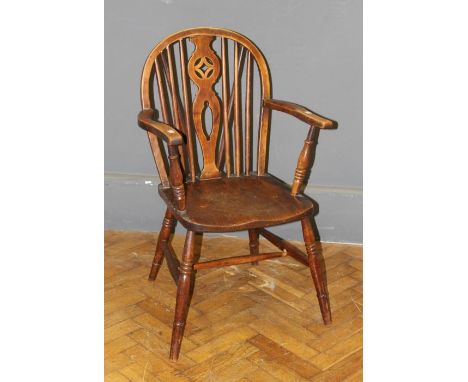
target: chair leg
183 295
166 228
315 269
253 243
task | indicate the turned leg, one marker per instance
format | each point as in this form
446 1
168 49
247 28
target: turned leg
315 269
183 295
166 228
253 243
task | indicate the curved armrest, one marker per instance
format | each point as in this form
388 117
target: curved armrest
306 157
162 130
300 112
173 139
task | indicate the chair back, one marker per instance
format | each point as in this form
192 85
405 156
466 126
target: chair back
209 84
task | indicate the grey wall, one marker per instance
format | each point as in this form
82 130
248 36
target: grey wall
314 50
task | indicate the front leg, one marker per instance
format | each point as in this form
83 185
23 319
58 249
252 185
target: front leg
316 271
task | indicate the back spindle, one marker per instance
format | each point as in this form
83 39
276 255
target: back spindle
176 104
188 111
154 141
248 115
237 112
229 118
225 145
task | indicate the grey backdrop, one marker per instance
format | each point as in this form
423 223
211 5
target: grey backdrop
314 50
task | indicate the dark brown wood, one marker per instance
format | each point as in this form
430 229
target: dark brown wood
248 115
183 295
304 161
168 59
172 262
177 107
253 243
300 112
236 260
178 119
154 140
165 109
284 245
237 115
228 190
160 129
166 118
177 181
164 234
225 145
187 103
158 159
222 150
315 269
238 203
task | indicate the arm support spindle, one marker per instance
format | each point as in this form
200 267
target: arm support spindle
316 122
176 178
304 161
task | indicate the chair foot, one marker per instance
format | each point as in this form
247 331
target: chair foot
253 244
164 234
183 296
316 270
177 335
154 270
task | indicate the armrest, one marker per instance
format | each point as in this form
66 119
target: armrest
162 130
173 139
307 154
300 112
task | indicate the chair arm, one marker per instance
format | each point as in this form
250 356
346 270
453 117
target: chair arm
173 139
316 122
300 112
162 130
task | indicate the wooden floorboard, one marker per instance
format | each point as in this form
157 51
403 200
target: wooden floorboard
246 322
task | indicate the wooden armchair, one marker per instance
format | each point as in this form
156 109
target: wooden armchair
229 189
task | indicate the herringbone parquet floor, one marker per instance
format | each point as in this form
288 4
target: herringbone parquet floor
246 323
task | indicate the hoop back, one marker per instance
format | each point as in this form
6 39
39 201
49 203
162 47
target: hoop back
228 148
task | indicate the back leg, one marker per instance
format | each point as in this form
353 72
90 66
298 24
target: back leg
315 269
253 243
166 229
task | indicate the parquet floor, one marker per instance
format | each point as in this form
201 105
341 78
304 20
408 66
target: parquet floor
246 323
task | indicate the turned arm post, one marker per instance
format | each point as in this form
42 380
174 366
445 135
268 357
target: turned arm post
176 178
316 122
305 160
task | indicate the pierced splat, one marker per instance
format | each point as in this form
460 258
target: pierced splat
204 69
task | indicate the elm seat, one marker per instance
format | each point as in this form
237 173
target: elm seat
240 203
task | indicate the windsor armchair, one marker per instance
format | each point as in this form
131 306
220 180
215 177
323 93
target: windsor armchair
214 186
